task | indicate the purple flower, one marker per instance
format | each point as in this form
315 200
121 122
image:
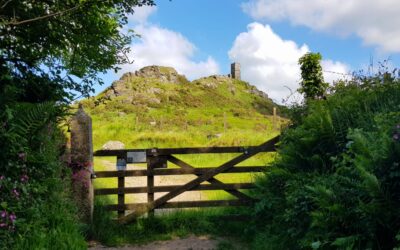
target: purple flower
396 137
398 126
22 156
24 178
12 217
2 177
3 214
3 224
15 193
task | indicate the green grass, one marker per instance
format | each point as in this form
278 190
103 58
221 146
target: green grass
203 160
181 223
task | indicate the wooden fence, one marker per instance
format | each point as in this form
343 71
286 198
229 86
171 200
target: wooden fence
157 160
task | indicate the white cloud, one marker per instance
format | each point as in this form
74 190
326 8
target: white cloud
334 71
271 63
375 22
164 47
141 14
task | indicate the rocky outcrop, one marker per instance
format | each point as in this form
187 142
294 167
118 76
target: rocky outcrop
160 73
163 74
253 90
213 81
154 86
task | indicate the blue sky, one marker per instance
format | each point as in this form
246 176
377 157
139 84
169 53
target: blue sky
201 38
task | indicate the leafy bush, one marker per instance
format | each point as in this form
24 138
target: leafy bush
337 181
35 208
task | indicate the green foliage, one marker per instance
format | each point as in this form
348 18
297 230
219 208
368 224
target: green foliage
50 48
50 51
35 207
312 84
336 182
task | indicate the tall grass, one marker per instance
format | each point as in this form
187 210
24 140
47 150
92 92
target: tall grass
53 223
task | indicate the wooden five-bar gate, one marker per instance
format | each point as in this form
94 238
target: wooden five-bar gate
157 160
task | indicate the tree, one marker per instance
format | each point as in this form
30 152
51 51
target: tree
52 49
312 84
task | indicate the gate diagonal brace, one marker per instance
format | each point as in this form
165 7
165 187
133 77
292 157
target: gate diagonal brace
184 165
269 145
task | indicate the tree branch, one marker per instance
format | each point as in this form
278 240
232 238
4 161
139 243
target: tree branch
5 4
15 23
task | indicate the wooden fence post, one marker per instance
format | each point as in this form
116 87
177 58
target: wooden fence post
121 194
150 179
82 163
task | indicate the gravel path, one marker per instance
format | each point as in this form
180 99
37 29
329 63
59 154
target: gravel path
192 242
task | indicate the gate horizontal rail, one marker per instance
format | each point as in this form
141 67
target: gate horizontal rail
176 151
138 190
156 160
172 171
182 204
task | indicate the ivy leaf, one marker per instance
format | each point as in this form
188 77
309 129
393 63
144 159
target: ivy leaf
316 245
4 205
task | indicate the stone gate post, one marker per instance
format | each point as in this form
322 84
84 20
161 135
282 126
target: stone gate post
82 163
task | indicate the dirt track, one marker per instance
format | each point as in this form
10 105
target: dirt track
192 242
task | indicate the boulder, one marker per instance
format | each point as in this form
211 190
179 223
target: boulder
163 74
113 145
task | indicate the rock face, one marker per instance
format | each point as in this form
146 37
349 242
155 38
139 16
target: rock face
155 87
260 93
163 74
213 81
113 145
159 73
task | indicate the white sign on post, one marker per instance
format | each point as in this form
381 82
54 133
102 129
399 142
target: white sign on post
136 157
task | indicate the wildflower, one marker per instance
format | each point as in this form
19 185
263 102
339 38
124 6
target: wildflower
3 224
398 126
22 156
12 218
396 137
24 178
2 177
15 193
3 214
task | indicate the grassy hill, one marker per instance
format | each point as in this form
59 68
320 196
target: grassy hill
157 107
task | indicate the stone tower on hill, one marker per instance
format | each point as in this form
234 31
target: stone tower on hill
235 70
